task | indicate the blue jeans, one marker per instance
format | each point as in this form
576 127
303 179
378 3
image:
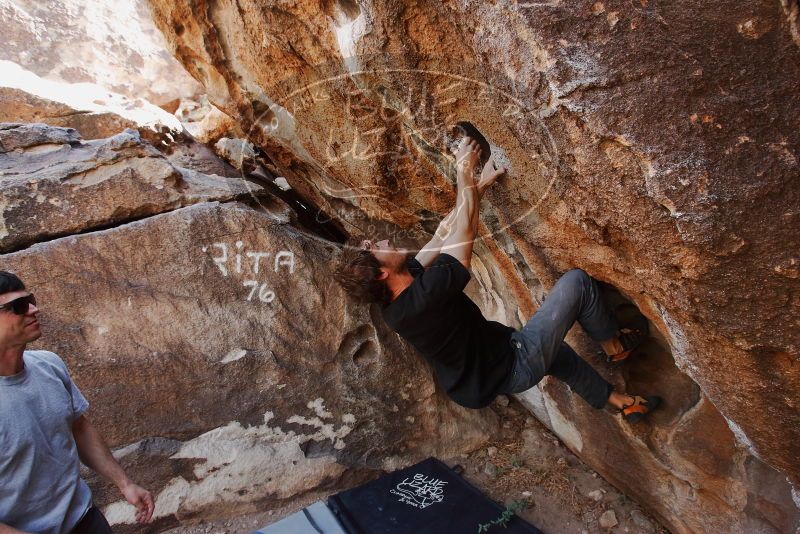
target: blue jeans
539 348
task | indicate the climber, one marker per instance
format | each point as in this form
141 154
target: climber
475 359
44 431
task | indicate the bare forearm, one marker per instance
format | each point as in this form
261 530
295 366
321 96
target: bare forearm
467 203
446 226
465 224
95 454
428 254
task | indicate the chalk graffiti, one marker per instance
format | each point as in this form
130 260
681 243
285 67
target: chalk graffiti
264 294
236 260
284 258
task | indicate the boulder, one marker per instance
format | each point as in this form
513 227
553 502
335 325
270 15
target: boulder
52 183
226 370
654 146
75 41
17 105
179 145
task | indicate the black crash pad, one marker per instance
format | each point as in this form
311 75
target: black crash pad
426 498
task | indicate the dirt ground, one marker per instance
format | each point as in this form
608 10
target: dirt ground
525 466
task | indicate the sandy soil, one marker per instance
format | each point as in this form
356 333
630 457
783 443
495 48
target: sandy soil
525 466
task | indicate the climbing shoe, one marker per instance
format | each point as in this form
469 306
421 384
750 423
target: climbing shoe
641 406
632 335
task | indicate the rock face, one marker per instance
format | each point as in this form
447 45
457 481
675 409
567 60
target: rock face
77 41
53 184
221 364
18 106
226 341
181 147
653 145
205 122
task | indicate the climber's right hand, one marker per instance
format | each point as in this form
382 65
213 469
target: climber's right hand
467 156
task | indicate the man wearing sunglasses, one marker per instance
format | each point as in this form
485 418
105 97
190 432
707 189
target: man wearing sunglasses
44 432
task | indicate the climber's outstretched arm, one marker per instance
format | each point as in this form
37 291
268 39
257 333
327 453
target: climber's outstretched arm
428 254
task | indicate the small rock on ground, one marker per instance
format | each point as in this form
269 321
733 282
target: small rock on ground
596 495
490 469
608 519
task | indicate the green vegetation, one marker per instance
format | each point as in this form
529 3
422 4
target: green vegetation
502 520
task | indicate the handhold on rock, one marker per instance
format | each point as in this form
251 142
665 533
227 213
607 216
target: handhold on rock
465 128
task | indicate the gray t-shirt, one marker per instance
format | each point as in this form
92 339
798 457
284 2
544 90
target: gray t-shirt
40 485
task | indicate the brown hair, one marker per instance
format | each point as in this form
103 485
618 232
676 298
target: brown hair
357 272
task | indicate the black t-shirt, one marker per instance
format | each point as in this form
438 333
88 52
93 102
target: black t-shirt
472 357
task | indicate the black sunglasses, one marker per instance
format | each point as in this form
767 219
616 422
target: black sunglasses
20 306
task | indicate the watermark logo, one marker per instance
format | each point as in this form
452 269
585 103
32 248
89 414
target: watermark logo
420 491
377 145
